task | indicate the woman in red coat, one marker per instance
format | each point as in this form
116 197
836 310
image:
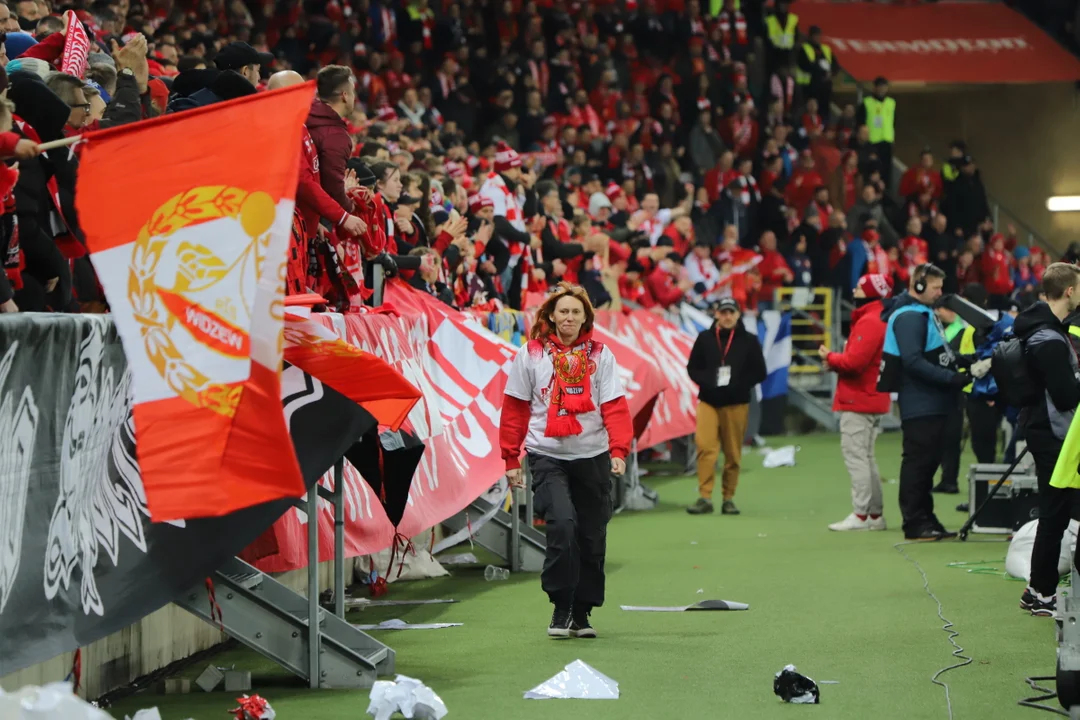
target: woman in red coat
860 404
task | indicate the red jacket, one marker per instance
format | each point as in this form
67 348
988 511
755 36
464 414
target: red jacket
334 145
858 366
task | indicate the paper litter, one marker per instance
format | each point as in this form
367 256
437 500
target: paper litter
397 624
459 559
782 457
703 605
577 681
55 701
405 695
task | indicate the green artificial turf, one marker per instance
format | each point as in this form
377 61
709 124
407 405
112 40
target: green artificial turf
841 606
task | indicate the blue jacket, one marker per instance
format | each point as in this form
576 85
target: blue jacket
916 362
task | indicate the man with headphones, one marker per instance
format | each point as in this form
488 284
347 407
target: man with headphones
918 364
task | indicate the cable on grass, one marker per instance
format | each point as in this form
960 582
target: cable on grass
958 651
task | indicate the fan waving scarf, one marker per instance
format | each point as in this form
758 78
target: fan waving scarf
191 253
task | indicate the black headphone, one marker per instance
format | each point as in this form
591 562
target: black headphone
920 276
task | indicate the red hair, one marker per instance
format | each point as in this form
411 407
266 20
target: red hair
542 327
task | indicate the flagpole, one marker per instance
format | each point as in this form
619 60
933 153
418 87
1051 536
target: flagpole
62 142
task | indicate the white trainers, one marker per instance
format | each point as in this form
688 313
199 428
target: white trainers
851 522
877 523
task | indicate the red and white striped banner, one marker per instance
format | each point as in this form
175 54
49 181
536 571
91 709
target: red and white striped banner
76 55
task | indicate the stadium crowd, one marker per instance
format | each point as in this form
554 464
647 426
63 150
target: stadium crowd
484 151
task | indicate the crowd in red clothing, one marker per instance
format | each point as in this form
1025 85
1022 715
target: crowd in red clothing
486 150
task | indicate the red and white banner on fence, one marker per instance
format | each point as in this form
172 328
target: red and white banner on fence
461 370
668 349
76 54
957 42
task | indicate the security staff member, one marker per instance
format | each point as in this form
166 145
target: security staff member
878 113
815 70
782 28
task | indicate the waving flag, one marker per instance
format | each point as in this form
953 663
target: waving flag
76 55
191 255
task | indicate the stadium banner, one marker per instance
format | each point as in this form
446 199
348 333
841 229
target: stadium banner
959 42
667 347
79 555
460 369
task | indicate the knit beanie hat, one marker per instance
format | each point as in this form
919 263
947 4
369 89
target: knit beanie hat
1021 252
506 157
876 285
17 43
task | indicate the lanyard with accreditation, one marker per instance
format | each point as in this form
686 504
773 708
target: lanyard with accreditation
723 376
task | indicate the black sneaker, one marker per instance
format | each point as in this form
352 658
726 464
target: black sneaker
580 626
927 534
728 508
946 489
560 623
1038 605
701 506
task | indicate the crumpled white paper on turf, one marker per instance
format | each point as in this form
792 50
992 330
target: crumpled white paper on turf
784 457
54 701
148 714
577 681
405 695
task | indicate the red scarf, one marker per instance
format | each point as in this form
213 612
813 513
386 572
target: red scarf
571 383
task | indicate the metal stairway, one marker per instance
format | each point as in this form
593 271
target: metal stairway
271 619
517 542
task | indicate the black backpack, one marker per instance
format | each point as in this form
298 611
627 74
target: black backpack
1009 366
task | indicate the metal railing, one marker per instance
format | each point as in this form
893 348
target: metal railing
812 324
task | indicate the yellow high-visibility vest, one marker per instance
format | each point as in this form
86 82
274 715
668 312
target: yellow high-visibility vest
967 347
782 38
717 6
880 115
803 78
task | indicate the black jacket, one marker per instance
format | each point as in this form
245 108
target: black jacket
745 359
1053 366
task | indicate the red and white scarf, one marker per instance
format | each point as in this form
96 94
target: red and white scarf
747 189
736 22
571 383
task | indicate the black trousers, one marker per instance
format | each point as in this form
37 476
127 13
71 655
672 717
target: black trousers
985 421
884 153
951 442
1054 513
574 498
922 453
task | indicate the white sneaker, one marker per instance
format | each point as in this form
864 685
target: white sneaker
876 523
851 522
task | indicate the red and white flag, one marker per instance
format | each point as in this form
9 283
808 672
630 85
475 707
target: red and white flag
75 58
192 258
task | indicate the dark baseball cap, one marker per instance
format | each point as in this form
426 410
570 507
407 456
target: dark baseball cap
236 55
727 303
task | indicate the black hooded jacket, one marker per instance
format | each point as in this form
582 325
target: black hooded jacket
744 357
1053 364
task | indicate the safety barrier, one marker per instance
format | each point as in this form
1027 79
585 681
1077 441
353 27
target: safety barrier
812 321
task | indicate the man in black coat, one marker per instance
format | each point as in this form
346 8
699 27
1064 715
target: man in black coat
1055 371
726 363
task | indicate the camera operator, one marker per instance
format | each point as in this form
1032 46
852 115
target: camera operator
921 368
1055 375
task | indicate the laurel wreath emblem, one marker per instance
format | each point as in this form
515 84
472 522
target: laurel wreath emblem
199 268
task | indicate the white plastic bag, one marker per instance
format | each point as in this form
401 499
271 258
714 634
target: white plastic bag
577 681
1018 558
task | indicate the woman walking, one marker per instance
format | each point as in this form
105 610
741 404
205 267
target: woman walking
565 402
